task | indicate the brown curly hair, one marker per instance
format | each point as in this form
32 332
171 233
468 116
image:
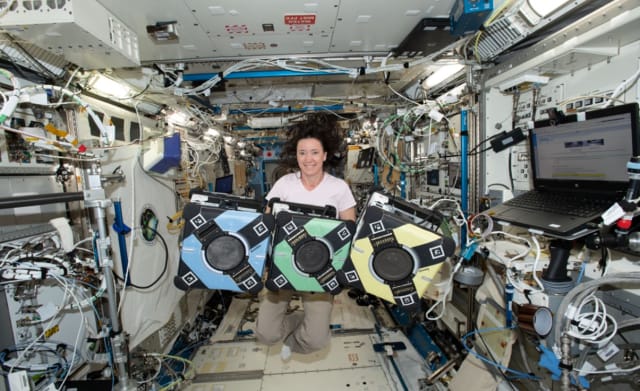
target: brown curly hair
321 126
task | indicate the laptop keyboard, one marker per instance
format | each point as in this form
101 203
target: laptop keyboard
561 203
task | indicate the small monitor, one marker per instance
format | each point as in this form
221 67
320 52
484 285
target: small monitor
224 184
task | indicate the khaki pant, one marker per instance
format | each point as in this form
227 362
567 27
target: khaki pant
303 332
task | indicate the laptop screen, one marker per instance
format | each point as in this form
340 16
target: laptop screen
224 184
587 150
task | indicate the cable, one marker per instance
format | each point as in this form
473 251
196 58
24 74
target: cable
38 338
535 263
442 300
508 264
520 374
492 357
164 267
566 310
154 177
77 340
187 373
510 171
592 326
604 371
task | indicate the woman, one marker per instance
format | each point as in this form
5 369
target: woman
310 147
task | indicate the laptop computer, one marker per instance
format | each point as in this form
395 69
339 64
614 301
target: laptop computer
579 162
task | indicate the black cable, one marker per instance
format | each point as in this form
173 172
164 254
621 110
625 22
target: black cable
16 66
164 267
143 90
534 105
473 152
603 257
498 184
491 368
513 188
514 109
479 152
483 142
150 175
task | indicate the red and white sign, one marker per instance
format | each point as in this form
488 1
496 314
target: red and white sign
297 19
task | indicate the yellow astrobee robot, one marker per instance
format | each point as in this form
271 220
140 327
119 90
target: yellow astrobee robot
396 252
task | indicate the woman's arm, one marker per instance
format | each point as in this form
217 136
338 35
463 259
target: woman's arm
348 214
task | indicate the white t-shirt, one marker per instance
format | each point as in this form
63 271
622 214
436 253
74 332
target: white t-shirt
331 191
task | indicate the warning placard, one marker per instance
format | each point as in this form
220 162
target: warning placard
300 19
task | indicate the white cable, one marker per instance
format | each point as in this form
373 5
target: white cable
98 122
68 83
521 287
523 253
592 326
155 375
77 340
20 356
535 264
622 88
604 371
443 299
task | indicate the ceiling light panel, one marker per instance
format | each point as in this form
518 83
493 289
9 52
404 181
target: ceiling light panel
207 28
377 25
291 25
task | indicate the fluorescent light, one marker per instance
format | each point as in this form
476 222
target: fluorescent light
107 86
545 7
213 132
148 107
178 118
534 10
442 74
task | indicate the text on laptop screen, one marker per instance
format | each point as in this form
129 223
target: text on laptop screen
594 149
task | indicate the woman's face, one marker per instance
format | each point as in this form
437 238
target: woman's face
311 156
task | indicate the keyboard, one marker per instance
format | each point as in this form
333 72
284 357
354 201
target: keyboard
561 203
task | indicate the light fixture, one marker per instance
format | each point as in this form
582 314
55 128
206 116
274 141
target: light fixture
163 32
442 74
148 107
534 10
107 86
178 118
453 95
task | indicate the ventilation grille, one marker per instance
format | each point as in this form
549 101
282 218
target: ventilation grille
34 58
32 5
83 32
500 36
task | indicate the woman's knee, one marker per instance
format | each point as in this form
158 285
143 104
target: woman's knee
313 343
268 336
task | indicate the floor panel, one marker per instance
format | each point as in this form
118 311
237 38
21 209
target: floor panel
234 361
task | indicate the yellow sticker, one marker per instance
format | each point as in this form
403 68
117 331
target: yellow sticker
51 331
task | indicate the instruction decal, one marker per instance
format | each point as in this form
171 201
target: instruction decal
298 19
